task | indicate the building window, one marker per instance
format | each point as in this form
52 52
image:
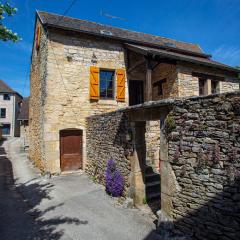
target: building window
214 87
106 84
6 96
6 129
159 86
202 83
3 113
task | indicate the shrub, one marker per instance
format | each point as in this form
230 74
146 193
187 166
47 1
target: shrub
114 180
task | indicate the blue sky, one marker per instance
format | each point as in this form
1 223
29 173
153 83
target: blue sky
213 24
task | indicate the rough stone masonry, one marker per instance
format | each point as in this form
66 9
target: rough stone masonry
204 153
200 174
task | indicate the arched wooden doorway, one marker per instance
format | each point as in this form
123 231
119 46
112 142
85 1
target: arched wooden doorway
70 149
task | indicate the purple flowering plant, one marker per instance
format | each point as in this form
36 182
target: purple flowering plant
114 180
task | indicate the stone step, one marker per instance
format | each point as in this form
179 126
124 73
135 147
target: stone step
153 189
152 184
153 196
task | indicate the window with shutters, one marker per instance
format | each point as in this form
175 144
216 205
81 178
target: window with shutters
107 84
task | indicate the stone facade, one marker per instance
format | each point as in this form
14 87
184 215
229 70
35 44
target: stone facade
189 85
168 74
38 76
152 139
204 153
66 64
60 89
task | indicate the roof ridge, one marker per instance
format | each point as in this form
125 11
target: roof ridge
106 25
90 27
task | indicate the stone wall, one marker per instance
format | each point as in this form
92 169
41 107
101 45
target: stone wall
204 157
152 141
168 73
67 105
60 75
106 139
200 159
24 134
188 84
38 76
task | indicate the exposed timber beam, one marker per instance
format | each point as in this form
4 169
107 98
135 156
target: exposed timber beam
148 80
135 65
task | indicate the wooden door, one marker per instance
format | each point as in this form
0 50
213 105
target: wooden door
71 150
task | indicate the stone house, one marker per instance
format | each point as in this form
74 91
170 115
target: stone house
81 68
23 119
10 102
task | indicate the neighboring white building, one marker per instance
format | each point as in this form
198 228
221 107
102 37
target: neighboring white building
10 103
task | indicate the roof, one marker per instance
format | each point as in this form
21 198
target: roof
182 57
4 88
24 111
68 23
147 43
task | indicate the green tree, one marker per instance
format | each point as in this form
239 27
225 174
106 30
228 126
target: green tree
6 34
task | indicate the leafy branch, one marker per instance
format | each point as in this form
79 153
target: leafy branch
7 34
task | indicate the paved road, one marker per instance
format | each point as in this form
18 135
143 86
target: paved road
64 207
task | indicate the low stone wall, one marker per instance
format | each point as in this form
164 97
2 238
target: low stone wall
200 159
106 139
204 155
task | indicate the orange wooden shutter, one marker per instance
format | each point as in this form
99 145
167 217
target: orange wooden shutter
94 83
121 85
38 36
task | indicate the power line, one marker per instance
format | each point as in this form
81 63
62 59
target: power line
66 11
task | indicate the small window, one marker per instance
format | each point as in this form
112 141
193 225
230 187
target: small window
6 97
214 87
160 89
6 129
159 86
3 113
106 84
202 83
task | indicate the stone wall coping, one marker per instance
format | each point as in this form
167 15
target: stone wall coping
167 103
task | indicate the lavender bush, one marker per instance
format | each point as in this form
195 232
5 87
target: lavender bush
114 180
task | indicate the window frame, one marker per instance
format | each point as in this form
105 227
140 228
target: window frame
113 84
217 89
159 85
204 80
4 97
1 112
9 129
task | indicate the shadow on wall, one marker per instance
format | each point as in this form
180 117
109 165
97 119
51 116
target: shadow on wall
20 217
218 218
